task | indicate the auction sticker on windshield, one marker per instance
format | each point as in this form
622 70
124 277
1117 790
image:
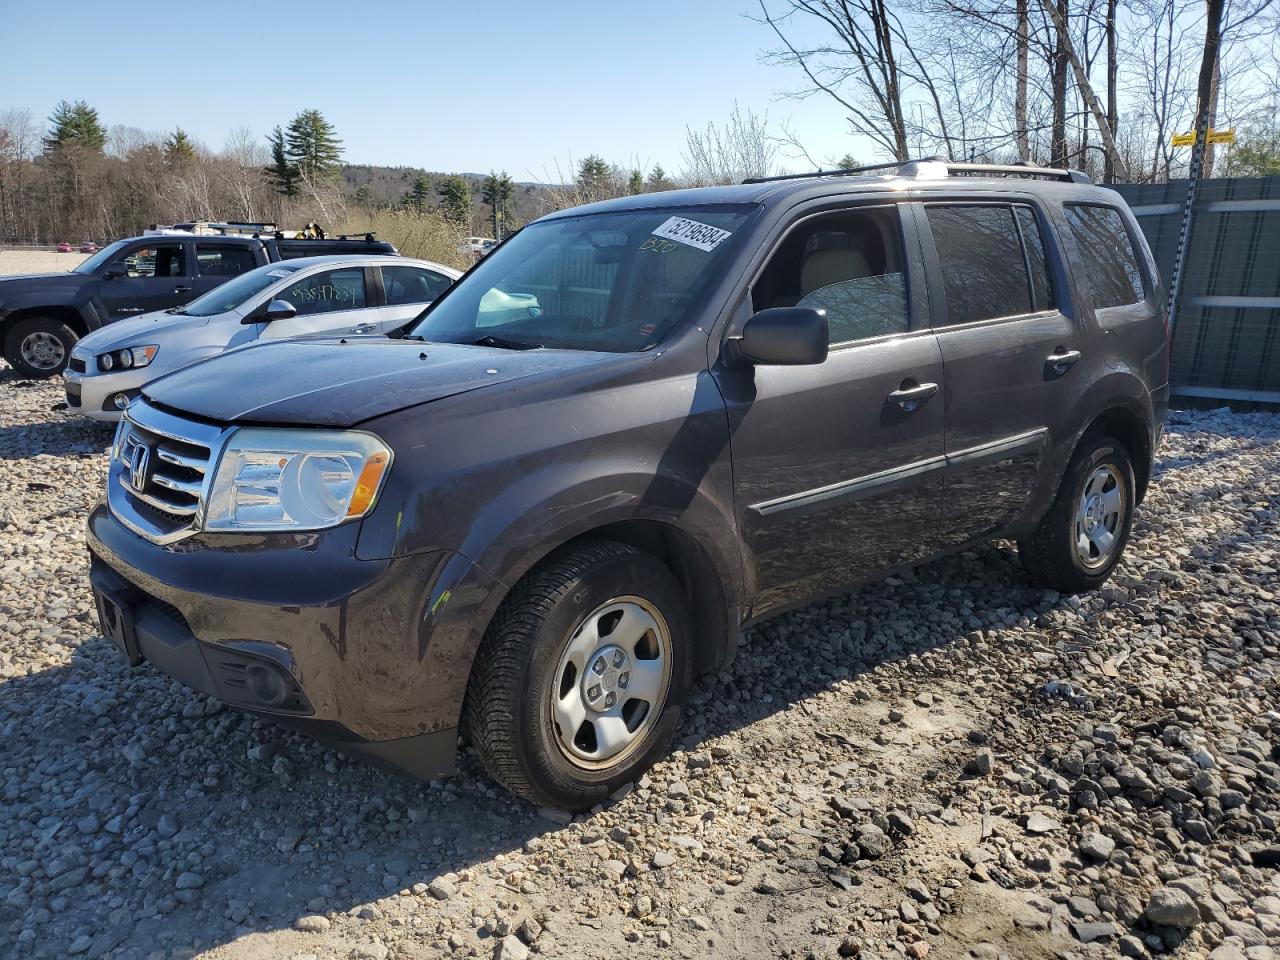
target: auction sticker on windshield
691 232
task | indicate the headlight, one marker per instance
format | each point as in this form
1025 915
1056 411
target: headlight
128 357
295 479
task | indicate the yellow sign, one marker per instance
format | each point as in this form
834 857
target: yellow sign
1215 136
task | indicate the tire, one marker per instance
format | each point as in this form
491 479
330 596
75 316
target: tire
1066 553
39 347
531 672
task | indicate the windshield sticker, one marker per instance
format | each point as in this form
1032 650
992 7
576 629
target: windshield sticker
692 233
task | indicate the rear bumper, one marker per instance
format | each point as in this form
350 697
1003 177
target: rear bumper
358 653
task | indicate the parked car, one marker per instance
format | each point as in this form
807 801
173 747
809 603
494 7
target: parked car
63 247
43 315
478 246
634 429
88 247
310 295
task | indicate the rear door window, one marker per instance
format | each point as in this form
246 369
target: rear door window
327 292
215 260
985 273
1106 254
412 285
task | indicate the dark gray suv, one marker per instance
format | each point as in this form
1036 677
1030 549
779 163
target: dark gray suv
634 428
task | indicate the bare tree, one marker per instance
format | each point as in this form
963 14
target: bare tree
739 149
1086 89
858 69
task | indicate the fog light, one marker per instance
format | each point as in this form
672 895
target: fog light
120 400
266 684
106 361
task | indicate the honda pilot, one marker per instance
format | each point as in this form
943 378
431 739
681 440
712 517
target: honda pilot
633 429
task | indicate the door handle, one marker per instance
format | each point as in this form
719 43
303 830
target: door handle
1061 360
364 328
910 395
181 289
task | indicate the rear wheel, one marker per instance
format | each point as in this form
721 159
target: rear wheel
1081 538
578 683
39 347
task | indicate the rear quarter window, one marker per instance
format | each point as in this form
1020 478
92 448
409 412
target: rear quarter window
1107 256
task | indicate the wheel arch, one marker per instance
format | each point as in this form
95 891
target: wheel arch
64 312
1124 422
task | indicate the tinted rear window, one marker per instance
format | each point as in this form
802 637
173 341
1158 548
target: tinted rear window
979 249
1106 254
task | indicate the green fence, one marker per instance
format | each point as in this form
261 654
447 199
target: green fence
1226 336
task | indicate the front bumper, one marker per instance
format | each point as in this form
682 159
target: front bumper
369 655
93 394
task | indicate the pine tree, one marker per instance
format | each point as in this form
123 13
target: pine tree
282 173
364 197
497 191
455 199
311 146
636 183
847 162
75 124
593 177
419 197
657 179
178 149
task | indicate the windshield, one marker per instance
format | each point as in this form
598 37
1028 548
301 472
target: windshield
615 282
105 255
235 293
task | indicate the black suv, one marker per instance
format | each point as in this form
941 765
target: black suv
43 315
631 430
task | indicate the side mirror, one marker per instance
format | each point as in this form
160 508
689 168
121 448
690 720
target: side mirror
115 271
275 310
785 335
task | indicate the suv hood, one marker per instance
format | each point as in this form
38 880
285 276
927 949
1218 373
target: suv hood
328 381
135 331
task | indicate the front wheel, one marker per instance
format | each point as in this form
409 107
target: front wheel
39 347
578 683
1081 538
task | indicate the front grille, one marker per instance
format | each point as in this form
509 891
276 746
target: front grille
76 365
160 470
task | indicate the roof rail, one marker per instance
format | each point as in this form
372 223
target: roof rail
927 168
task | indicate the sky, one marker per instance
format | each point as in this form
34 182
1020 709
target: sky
529 87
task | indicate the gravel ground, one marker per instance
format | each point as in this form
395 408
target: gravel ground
37 261
949 764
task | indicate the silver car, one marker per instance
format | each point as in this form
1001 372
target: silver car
291 298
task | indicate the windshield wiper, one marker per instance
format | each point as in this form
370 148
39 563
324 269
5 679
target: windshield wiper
504 343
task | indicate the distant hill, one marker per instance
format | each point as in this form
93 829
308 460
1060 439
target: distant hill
386 186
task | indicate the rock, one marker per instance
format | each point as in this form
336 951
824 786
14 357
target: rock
529 930
441 888
1088 932
510 948
1096 846
641 906
981 763
1228 951
1170 907
369 951
1038 823
661 860
900 822
189 881
311 923
873 843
